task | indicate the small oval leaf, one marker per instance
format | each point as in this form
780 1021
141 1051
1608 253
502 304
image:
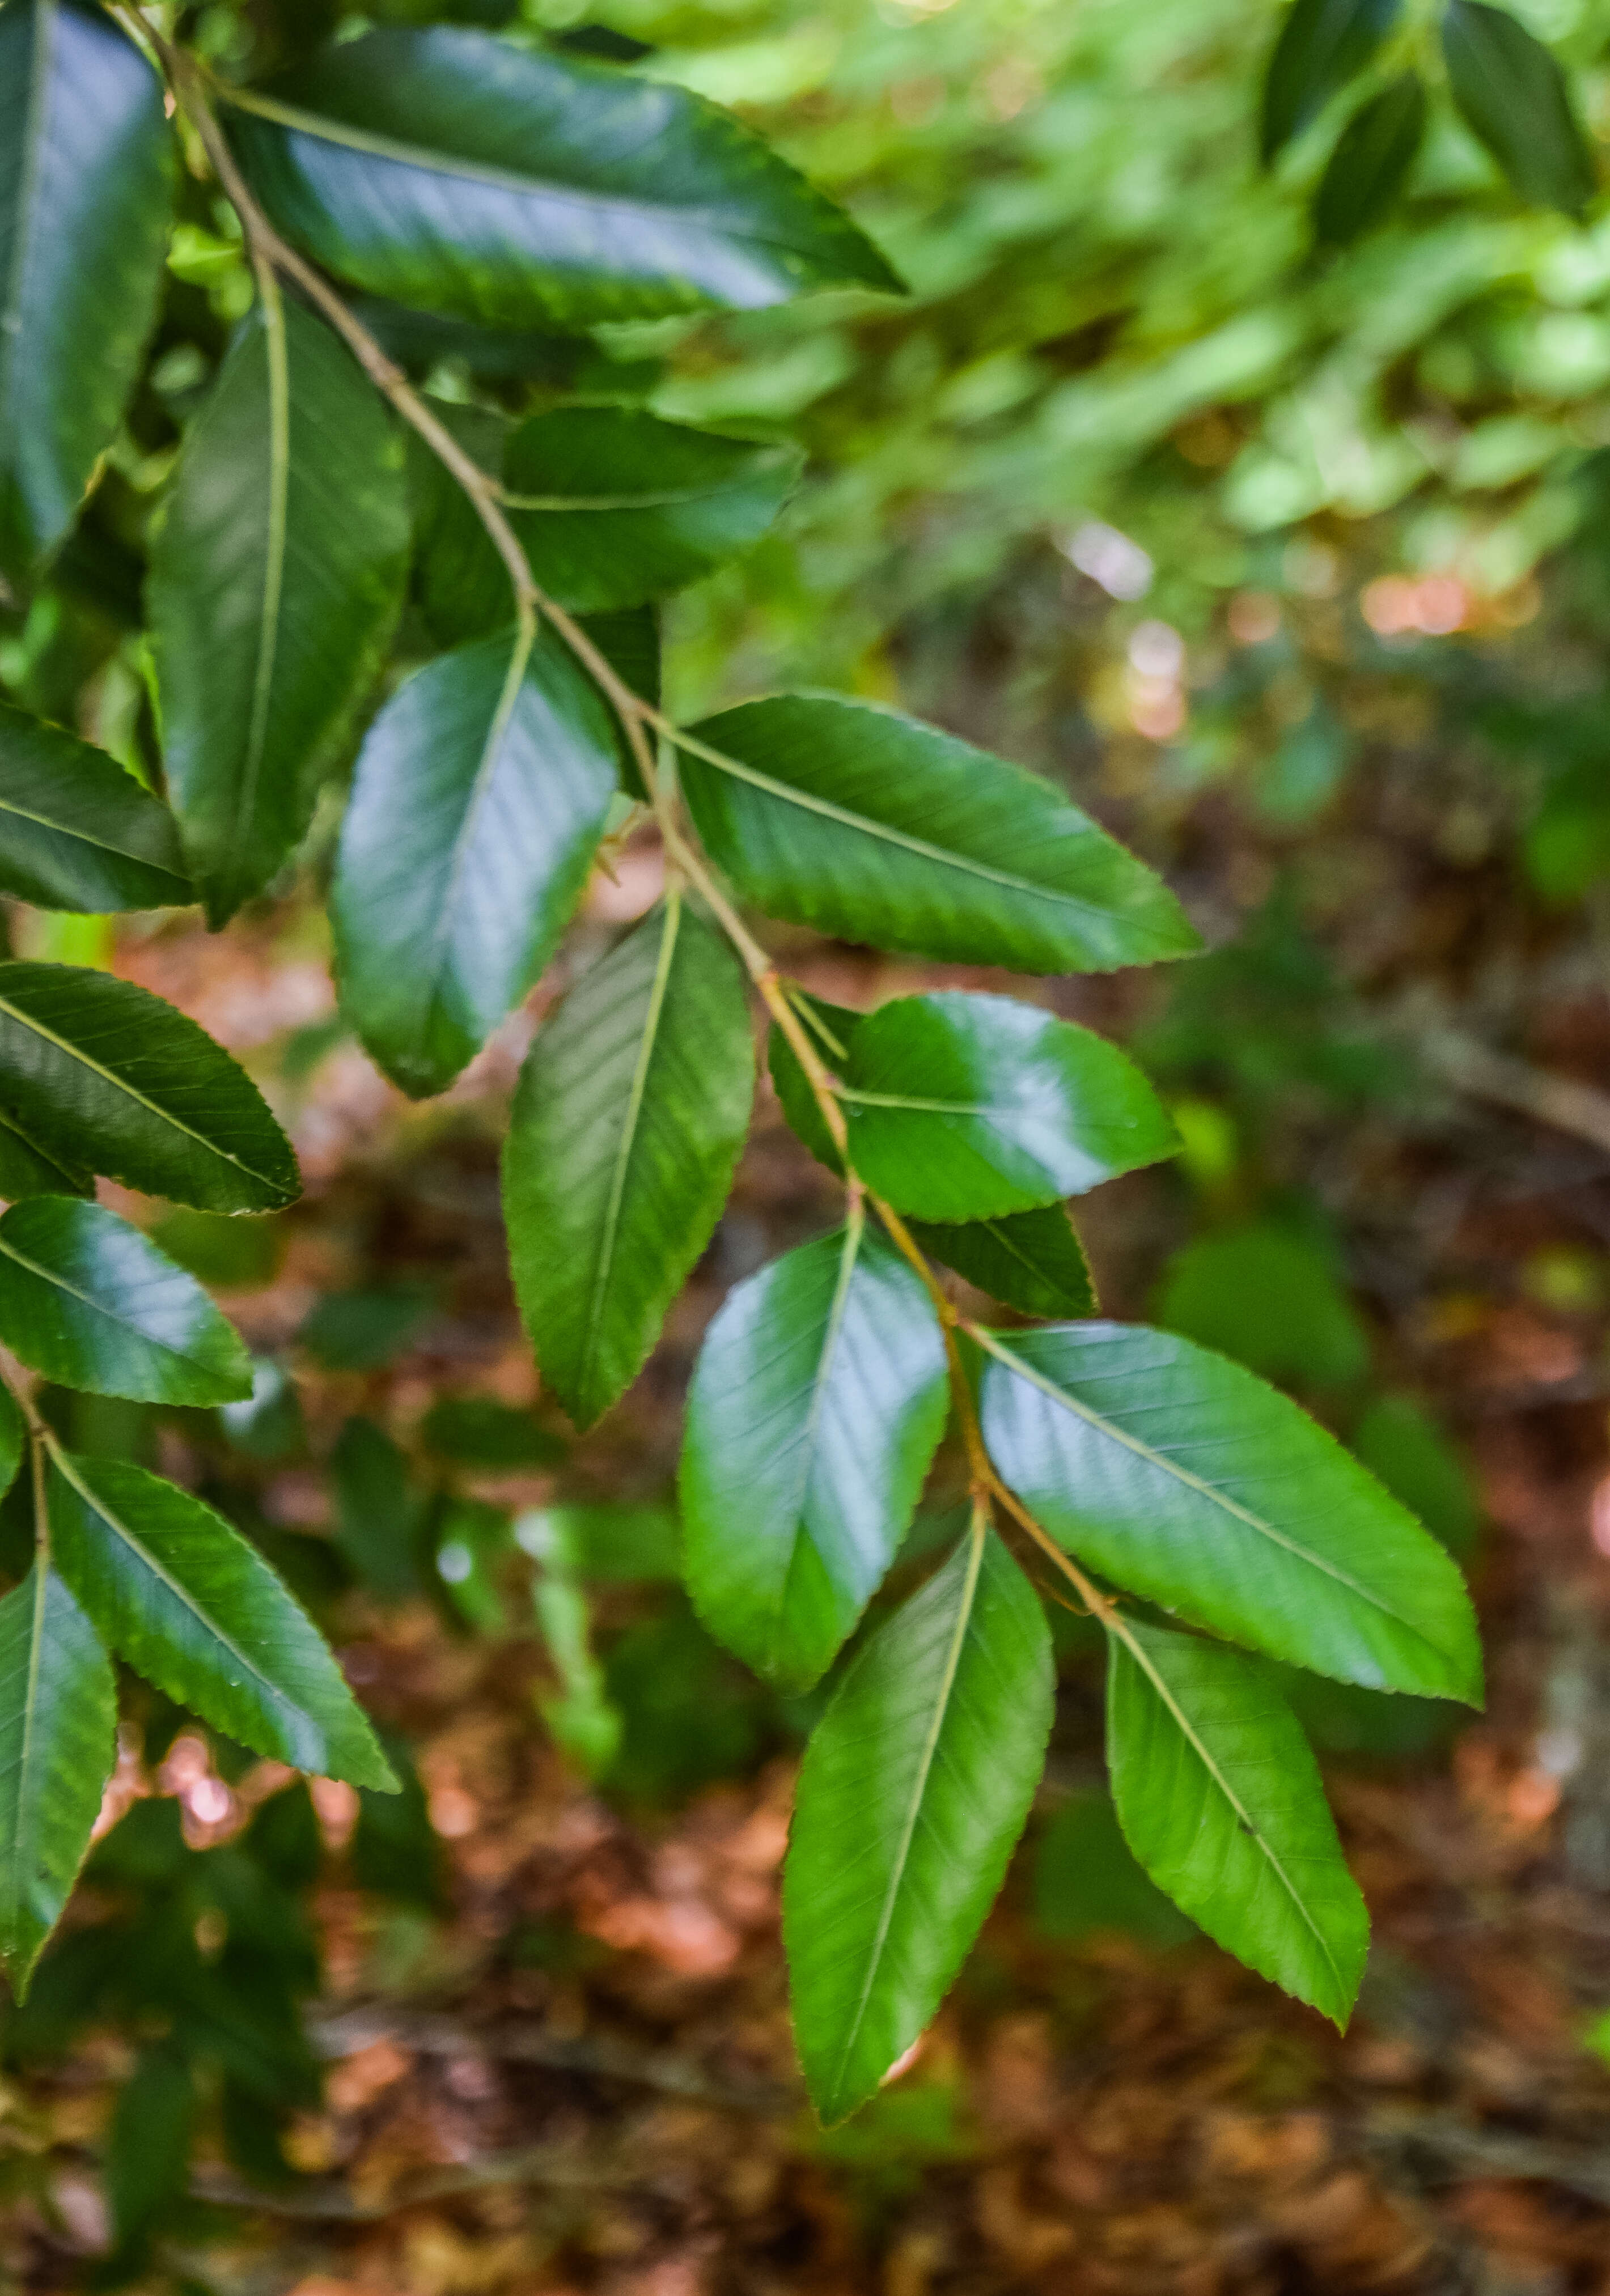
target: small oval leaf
1371 161
1517 99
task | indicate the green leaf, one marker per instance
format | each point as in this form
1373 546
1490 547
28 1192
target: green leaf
26 1171
198 1611
628 1124
92 1065
831 1028
86 177
963 1108
914 1787
1220 1798
1269 1295
1086 1880
868 825
1517 99
1371 162
816 1404
481 795
1182 1477
478 1431
13 1438
148 2145
1323 44
76 831
380 1513
92 1303
455 173
276 576
1032 1261
58 1741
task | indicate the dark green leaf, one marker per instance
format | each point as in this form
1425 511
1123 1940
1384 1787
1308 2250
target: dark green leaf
477 1430
1086 1880
513 186
198 1611
26 1171
359 1330
276 577
1220 1798
1323 44
628 1124
58 1727
481 796
92 1303
817 1404
86 180
1032 1261
1182 1477
76 831
13 1438
866 824
380 1513
1514 96
965 1108
1269 1295
148 2148
1370 163
92 1065
914 1788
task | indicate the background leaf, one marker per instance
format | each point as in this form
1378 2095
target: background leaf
1221 1802
93 1065
914 1787
630 1114
582 195
92 1303
865 824
817 1404
1370 164
1323 44
1514 96
76 831
481 795
1032 1261
276 575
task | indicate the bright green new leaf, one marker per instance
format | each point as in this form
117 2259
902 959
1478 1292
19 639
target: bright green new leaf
965 1108
628 1120
76 831
92 1303
1182 1477
92 1066
873 827
13 1438
818 1402
480 798
276 577
182 1598
86 175
1371 162
1221 1800
914 1787
1517 99
1032 1261
1323 44
455 173
58 1741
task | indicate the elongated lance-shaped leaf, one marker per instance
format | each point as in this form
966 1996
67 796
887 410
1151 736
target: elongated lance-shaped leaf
86 177
182 1598
13 1438
962 1107
1373 154
93 1066
1220 1798
276 575
914 1787
76 831
456 174
816 1404
1032 1261
481 793
26 1171
864 824
630 1114
58 1741
1181 1476
1515 97
1323 44
92 1303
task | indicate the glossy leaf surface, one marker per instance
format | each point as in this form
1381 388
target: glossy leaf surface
1515 98
1032 1261
1221 1800
454 173
1323 44
630 1114
276 575
1370 164
873 827
962 1107
92 1303
77 832
818 1402
26 1171
914 1787
1182 1477
93 1066
481 795
58 1740
182 1598
86 177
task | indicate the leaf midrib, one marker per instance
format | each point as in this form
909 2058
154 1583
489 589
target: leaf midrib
97 1307
96 844
277 356
670 498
